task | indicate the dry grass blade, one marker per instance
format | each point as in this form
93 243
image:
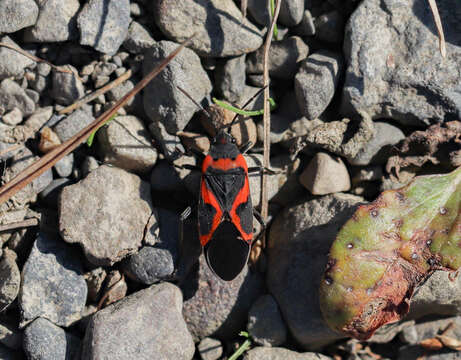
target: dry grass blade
47 161
243 8
37 59
438 25
10 149
267 114
125 76
19 225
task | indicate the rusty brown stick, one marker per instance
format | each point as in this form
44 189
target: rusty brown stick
125 76
48 160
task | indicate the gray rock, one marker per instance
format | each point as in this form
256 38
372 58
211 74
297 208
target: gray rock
214 307
149 265
307 26
230 78
12 95
344 138
316 82
57 21
88 165
72 124
53 286
163 102
39 118
65 166
428 329
138 39
12 63
134 104
438 295
50 194
165 178
67 88
218 24
14 117
384 47
330 27
104 24
291 12
264 353
210 349
43 340
284 58
265 323
33 95
126 143
325 175
260 11
299 241
418 352
377 150
158 327
106 213
170 144
39 84
17 14
10 278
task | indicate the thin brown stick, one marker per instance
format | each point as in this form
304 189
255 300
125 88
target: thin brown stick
267 117
19 225
49 159
37 59
438 25
11 148
125 76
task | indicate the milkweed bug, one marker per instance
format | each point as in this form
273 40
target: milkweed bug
225 211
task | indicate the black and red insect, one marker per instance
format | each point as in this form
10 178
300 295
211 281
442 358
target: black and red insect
225 211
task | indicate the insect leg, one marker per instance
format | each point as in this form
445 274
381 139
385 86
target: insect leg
245 147
260 169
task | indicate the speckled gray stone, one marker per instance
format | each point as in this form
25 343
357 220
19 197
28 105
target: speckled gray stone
10 279
149 265
17 14
145 323
264 353
12 63
67 88
104 24
106 213
43 340
138 38
12 95
53 285
72 124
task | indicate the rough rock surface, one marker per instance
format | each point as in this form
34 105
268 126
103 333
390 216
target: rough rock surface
144 323
104 24
262 353
218 26
299 241
395 69
53 286
106 213
17 14
12 95
12 63
10 279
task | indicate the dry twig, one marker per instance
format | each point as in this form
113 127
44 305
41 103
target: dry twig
125 76
37 59
48 160
438 25
266 115
19 225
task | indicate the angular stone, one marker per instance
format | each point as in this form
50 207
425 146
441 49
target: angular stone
53 286
44 340
394 65
325 175
210 349
126 143
291 12
316 82
12 95
138 38
218 24
104 24
284 58
299 241
17 14
265 324
163 101
12 63
67 88
10 279
57 21
224 314
230 78
106 213
145 323
14 117
72 124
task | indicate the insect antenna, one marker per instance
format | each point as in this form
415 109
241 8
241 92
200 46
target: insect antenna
195 102
233 122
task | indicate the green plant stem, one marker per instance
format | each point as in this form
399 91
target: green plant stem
90 139
242 348
243 112
276 31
